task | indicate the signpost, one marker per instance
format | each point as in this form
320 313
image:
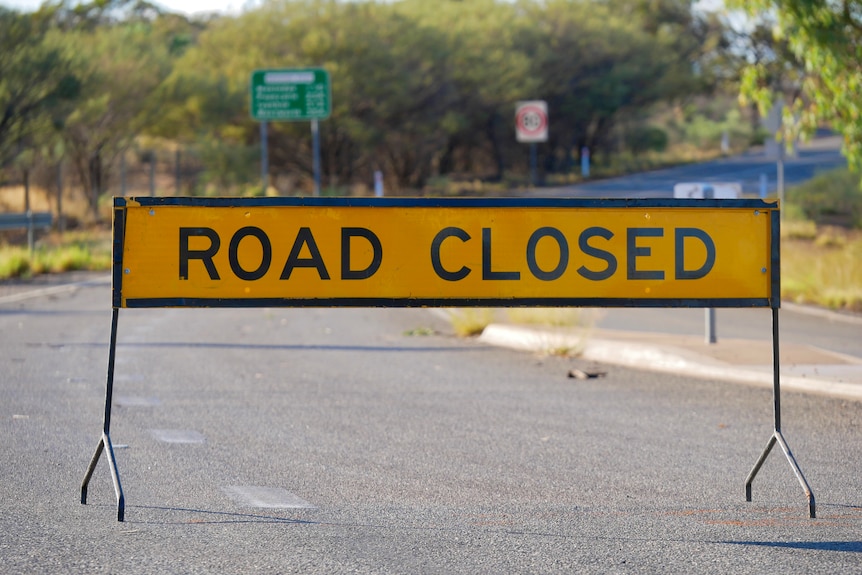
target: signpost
531 126
291 95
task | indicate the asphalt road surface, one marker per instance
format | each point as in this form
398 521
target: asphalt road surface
345 441
746 169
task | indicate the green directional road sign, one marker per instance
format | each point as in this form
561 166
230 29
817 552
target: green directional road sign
290 95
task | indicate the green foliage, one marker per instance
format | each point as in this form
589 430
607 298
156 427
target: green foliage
834 197
228 165
704 124
827 38
78 251
15 262
421 90
120 68
35 82
703 132
647 138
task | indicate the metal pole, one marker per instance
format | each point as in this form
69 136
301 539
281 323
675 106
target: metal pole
709 316
153 175
109 385
776 372
533 164
123 174
26 190
61 224
378 184
585 162
264 157
177 170
30 231
780 169
315 145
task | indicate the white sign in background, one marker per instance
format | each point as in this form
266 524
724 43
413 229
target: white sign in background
701 190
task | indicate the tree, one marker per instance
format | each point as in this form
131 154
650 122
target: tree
392 98
754 45
602 65
120 67
826 36
425 88
35 82
489 75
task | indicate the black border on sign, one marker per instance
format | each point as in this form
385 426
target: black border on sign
119 240
232 202
445 302
775 264
229 202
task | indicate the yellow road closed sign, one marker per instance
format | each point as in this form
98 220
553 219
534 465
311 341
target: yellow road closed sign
241 252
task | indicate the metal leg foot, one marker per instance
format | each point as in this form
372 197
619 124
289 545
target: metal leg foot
778 438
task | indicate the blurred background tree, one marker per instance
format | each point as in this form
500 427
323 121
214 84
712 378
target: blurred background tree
826 38
424 92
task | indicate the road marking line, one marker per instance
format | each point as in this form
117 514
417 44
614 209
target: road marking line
136 401
41 292
266 497
178 435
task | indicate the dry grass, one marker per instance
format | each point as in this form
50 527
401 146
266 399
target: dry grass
79 250
470 321
825 270
75 209
549 316
85 247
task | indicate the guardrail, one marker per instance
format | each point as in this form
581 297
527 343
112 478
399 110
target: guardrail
26 220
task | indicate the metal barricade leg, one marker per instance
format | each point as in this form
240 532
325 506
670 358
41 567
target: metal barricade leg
757 467
105 440
777 436
812 512
91 468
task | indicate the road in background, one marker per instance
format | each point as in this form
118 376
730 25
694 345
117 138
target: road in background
339 440
831 331
814 157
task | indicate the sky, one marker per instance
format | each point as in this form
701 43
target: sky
191 7
184 6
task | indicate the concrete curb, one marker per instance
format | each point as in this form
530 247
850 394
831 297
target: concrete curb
663 358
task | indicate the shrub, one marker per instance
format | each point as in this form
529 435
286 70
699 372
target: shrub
647 138
833 197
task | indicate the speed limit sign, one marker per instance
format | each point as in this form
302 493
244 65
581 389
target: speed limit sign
531 121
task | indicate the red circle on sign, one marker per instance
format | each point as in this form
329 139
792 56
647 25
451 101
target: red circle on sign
531 120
